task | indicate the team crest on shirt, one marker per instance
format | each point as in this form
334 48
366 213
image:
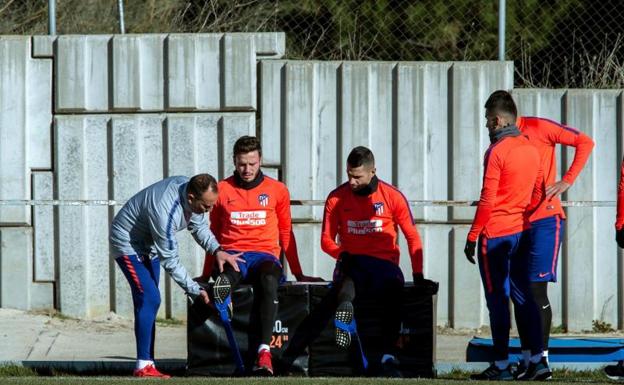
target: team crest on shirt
263 199
378 207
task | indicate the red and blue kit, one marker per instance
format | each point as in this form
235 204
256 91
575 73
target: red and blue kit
254 220
548 219
367 225
512 185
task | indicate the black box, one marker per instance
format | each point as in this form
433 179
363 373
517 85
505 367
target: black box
303 336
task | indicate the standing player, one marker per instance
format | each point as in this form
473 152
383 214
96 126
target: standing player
512 175
547 221
616 372
252 216
364 213
143 237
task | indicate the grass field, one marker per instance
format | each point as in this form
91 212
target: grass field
256 381
25 376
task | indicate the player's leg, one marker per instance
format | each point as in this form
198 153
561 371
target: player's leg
224 283
527 312
391 297
153 266
546 236
344 287
493 257
266 282
146 300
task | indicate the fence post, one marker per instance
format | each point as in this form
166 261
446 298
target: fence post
51 17
501 30
122 26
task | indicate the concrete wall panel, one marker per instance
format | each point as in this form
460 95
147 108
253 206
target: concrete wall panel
82 71
14 128
82 173
472 83
43 227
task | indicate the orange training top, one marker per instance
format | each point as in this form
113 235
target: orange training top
367 225
619 222
544 134
511 178
255 219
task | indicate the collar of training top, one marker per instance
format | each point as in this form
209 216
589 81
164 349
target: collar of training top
183 191
511 130
371 188
249 185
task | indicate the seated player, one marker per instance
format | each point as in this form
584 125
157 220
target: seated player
252 216
360 231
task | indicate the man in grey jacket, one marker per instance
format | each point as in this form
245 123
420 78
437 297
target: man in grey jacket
143 238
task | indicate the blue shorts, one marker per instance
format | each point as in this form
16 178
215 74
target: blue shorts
253 261
545 236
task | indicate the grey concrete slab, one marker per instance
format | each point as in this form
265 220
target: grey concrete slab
193 72
15 267
14 99
82 73
43 227
43 46
138 72
270 45
239 72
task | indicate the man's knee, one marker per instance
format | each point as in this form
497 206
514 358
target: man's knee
269 277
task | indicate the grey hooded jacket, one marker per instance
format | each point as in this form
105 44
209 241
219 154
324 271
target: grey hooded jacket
147 223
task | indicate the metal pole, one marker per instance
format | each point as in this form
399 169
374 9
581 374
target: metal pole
501 30
122 27
51 17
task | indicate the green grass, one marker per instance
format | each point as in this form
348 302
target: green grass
169 322
251 381
16 375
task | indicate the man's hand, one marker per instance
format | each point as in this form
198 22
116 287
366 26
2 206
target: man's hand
305 278
557 188
469 250
231 259
204 296
619 237
418 278
346 261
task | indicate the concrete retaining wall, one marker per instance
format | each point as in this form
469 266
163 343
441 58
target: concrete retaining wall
100 117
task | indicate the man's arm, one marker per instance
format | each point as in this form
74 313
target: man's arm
216 226
491 179
198 226
163 233
330 228
403 217
557 133
619 222
538 192
286 236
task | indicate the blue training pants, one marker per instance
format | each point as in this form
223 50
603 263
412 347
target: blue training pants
142 275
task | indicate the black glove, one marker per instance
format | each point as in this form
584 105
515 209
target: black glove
346 261
418 278
619 237
469 250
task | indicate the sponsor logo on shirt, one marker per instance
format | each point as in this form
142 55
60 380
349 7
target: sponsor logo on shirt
542 275
364 227
250 218
378 207
263 199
